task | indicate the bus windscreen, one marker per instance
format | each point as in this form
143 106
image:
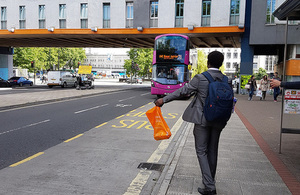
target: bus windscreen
171 49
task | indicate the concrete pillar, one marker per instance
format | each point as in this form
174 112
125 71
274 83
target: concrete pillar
6 62
247 51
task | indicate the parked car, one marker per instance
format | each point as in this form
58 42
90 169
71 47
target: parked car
4 83
20 81
135 80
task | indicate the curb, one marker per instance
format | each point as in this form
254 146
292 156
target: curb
162 185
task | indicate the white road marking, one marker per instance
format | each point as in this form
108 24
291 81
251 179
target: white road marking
145 94
30 125
123 105
127 99
90 109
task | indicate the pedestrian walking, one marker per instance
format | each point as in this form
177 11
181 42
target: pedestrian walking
206 133
43 79
264 86
253 87
276 89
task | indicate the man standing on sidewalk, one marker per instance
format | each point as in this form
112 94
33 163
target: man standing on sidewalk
206 133
276 89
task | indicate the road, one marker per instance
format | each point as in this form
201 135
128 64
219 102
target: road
29 130
90 145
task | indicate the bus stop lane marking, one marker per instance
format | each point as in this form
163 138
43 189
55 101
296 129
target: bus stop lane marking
26 159
77 136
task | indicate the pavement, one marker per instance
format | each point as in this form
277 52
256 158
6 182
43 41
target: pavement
248 164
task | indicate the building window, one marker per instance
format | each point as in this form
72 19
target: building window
235 65
3 18
235 55
227 64
84 15
228 55
62 16
270 10
255 66
22 18
154 14
42 17
234 12
206 5
106 15
179 13
129 15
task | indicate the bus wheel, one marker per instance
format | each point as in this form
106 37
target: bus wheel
159 96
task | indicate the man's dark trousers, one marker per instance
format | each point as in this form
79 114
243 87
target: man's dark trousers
206 144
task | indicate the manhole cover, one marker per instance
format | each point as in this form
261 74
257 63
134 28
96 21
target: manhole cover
151 166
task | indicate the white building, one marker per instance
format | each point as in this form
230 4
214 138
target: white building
109 63
232 60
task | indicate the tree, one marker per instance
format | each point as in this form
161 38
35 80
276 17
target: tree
44 58
261 72
140 62
201 63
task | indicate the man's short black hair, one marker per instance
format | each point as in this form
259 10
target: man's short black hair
215 59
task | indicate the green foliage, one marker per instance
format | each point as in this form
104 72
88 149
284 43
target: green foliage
142 57
201 63
245 79
261 72
44 58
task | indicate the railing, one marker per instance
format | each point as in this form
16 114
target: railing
205 21
106 23
153 22
178 22
129 23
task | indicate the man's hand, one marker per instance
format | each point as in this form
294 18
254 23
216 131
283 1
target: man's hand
274 83
159 102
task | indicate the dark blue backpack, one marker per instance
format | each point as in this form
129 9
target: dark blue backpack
219 101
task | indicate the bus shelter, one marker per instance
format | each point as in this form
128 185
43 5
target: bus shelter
290 111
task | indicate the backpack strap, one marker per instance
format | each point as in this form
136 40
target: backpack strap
208 76
211 79
225 79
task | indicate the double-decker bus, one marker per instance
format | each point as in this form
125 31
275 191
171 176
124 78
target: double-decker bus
170 63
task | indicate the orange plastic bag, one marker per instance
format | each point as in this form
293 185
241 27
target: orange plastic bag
161 129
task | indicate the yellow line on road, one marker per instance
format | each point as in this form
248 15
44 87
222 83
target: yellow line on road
101 125
120 116
26 159
73 138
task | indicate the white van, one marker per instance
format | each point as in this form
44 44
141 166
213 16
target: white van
61 78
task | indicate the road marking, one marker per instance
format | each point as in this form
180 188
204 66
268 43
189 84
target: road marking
30 125
101 125
145 94
26 159
142 177
123 105
127 99
60 101
77 136
90 109
120 116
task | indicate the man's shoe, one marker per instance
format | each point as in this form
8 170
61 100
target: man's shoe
206 191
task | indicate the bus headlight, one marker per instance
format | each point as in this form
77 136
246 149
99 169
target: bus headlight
152 84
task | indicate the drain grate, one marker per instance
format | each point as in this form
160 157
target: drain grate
151 166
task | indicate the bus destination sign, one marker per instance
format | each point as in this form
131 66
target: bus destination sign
170 57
